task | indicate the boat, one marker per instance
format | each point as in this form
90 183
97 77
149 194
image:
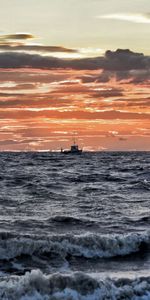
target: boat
74 149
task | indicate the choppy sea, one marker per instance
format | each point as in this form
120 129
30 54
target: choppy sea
75 226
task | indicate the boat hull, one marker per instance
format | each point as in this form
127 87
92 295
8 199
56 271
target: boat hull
72 152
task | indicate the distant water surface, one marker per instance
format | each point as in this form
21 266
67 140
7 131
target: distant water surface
75 226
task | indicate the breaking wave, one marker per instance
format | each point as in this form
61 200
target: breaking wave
74 286
87 245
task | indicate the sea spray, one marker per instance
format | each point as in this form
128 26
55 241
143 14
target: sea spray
87 245
75 286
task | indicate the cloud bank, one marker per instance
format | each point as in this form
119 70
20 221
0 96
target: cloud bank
122 64
119 60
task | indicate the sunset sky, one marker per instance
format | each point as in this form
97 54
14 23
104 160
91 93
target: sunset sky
75 68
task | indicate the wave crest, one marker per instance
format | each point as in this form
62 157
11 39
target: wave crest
75 286
88 245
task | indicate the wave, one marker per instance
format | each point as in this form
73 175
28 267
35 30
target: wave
141 184
70 220
83 178
138 220
74 286
114 178
86 245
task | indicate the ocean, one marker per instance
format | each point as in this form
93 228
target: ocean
75 226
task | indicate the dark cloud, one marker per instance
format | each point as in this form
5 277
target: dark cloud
17 42
138 77
108 93
24 60
113 61
17 36
123 60
126 65
36 48
133 76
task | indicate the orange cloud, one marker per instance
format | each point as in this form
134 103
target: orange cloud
104 100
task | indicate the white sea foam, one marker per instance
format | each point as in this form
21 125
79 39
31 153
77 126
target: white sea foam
76 286
88 245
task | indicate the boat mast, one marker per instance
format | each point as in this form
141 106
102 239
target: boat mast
74 140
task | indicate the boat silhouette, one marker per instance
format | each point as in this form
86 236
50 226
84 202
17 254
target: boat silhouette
74 149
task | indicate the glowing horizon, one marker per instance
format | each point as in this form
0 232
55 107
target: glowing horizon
79 81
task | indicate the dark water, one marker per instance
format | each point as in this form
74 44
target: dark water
75 227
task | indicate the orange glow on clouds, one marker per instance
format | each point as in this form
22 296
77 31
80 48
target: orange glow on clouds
43 108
